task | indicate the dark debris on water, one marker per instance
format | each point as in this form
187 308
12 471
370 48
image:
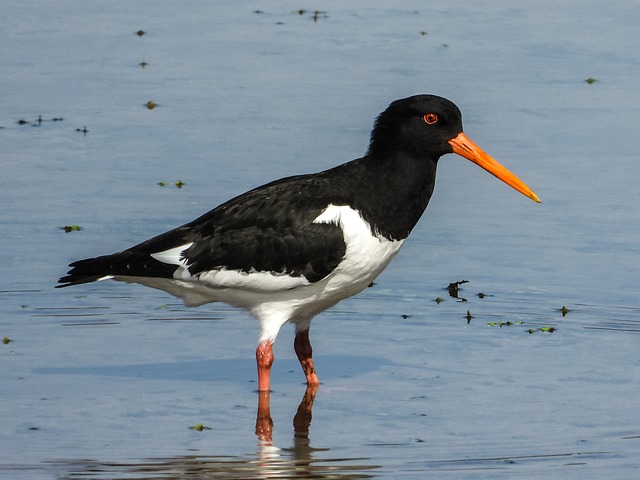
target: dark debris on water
39 121
454 289
71 228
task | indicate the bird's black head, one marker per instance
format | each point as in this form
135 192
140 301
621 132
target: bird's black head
421 126
425 127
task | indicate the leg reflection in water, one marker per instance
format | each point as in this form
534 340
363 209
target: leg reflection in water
299 461
299 458
264 424
301 420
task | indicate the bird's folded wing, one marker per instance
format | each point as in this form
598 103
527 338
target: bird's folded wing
259 240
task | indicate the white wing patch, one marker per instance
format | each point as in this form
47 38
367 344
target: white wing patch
228 279
253 280
173 255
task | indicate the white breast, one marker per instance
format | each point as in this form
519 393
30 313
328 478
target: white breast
366 254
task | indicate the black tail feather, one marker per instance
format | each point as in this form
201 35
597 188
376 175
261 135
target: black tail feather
128 263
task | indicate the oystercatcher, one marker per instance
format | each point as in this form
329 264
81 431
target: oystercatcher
292 248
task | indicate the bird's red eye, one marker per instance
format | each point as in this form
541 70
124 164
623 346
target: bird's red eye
430 118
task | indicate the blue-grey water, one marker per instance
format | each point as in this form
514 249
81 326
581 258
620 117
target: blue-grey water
103 381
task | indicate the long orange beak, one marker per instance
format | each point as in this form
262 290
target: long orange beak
469 150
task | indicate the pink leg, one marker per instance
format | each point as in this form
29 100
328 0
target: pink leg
302 346
264 358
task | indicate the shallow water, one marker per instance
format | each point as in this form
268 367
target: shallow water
104 380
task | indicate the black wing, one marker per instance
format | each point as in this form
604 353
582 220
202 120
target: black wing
267 229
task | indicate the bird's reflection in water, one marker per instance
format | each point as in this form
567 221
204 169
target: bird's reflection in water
297 462
301 420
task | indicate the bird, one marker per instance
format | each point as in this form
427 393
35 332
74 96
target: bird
294 247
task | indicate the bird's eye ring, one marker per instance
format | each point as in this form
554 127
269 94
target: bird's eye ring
430 118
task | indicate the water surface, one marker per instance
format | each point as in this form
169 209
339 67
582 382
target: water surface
105 380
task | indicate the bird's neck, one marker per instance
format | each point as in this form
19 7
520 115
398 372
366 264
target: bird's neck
399 188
